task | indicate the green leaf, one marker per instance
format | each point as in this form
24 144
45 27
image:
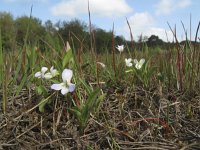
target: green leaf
18 66
33 58
76 111
98 102
41 90
91 99
57 64
42 105
83 112
88 88
43 102
67 58
90 104
22 83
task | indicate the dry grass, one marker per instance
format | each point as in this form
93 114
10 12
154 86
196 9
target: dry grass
129 118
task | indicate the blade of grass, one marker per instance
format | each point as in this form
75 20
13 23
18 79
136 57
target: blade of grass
18 67
3 83
24 57
22 83
1 60
193 57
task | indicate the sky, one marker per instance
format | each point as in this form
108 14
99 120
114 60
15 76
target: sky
146 17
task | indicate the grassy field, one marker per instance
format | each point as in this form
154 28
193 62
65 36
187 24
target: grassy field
150 104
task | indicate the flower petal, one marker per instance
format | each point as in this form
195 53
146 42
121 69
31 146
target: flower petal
57 86
44 69
120 47
138 66
128 62
71 87
54 72
48 75
38 74
51 69
129 59
142 61
64 90
67 75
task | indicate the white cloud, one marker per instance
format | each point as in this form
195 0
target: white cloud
143 23
108 8
22 1
168 6
164 7
140 21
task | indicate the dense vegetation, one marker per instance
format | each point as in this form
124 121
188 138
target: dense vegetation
75 31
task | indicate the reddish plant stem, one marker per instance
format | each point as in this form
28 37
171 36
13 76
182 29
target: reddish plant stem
92 39
90 27
131 35
76 100
113 51
170 60
163 123
179 59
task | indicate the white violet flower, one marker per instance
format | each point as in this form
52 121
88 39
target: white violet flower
128 62
53 72
120 48
66 86
41 73
138 65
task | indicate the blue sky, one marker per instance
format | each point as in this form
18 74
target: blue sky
146 17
